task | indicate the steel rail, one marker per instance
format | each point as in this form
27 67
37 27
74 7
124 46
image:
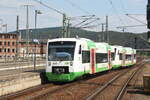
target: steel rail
122 91
24 92
99 90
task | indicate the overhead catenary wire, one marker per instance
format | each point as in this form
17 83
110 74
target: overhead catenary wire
115 10
89 22
74 5
122 6
47 6
147 43
77 6
81 9
91 26
65 21
80 17
129 15
83 21
131 26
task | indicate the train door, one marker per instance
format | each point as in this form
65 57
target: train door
92 57
80 56
123 59
132 58
109 60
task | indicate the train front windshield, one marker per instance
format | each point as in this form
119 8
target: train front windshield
61 51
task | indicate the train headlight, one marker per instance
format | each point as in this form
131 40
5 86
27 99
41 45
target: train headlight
71 63
49 64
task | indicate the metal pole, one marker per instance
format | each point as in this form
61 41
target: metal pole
27 29
6 28
17 39
35 57
35 23
135 41
1 25
107 34
103 37
64 26
123 29
35 18
68 29
35 37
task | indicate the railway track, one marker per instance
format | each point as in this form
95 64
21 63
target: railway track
75 90
43 91
38 92
99 92
5 65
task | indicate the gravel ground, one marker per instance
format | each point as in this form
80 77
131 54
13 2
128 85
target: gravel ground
83 88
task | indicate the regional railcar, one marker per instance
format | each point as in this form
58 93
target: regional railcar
116 56
70 58
129 56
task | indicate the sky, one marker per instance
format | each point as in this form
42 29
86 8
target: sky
116 11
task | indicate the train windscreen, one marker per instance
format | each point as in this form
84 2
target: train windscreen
61 51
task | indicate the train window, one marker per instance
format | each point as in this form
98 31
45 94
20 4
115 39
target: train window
134 56
113 56
128 57
85 56
101 58
80 49
61 51
120 56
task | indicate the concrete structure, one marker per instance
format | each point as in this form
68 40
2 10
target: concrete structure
19 83
146 82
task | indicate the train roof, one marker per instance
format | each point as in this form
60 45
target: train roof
116 46
69 39
101 43
98 44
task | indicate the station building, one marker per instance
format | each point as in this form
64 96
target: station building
9 46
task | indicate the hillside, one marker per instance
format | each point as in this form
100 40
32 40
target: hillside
116 38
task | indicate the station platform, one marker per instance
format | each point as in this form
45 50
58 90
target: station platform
18 79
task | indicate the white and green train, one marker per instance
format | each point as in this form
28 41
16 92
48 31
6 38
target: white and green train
70 58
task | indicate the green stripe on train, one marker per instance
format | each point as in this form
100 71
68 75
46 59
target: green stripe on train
69 77
63 77
130 64
116 66
101 69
